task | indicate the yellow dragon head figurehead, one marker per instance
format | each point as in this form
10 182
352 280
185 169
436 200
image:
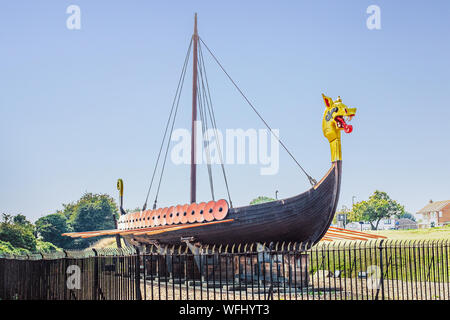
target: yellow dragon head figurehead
334 120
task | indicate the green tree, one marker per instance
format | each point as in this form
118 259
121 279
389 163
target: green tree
51 227
42 246
90 212
378 207
408 215
6 247
94 212
18 232
21 220
261 199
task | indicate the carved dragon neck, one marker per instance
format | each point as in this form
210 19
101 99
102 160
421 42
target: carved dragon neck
334 120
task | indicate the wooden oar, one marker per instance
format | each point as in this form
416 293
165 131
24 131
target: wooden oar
368 235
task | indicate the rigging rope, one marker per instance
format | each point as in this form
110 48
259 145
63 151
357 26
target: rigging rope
205 136
312 181
213 120
177 93
168 141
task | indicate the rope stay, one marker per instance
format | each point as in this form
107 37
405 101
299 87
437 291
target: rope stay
213 119
205 136
312 181
175 102
168 140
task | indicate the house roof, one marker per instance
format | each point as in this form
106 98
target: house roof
405 221
434 206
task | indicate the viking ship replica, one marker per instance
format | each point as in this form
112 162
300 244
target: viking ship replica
305 217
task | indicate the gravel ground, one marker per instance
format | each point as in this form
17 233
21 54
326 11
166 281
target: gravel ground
319 289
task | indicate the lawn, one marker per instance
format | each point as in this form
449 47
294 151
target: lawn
416 234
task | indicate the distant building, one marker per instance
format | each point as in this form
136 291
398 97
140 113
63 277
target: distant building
385 224
358 226
435 213
404 223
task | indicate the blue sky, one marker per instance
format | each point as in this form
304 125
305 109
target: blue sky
81 108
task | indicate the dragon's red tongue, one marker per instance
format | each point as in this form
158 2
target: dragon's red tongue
347 127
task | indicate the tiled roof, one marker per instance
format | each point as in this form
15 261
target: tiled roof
434 206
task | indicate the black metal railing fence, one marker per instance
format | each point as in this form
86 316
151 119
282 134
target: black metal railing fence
352 270
96 274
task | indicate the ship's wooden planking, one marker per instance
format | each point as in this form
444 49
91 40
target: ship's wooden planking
302 218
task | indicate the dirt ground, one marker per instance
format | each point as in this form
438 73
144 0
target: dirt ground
328 289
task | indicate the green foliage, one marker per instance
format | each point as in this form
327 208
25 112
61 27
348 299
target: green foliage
90 212
378 207
46 247
94 212
261 199
18 232
17 236
51 227
407 215
41 246
7 247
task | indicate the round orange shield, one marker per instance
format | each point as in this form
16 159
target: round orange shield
176 214
126 224
147 215
183 213
120 223
132 221
142 219
199 212
191 212
136 219
164 216
208 212
153 218
169 215
139 219
149 218
220 210
158 219
137 215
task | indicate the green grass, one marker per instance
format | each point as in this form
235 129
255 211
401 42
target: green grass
403 260
416 234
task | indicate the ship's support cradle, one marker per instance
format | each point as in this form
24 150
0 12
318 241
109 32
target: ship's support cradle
209 264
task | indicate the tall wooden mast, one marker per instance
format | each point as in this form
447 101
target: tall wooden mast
194 116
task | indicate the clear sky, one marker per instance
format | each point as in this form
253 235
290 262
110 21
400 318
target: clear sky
81 108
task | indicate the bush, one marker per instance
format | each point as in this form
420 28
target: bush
51 227
261 199
19 235
45 247
6 247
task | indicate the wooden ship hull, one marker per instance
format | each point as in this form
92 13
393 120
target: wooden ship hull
302 218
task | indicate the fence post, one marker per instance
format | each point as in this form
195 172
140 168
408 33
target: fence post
63 269
381 269
95 292
137 275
